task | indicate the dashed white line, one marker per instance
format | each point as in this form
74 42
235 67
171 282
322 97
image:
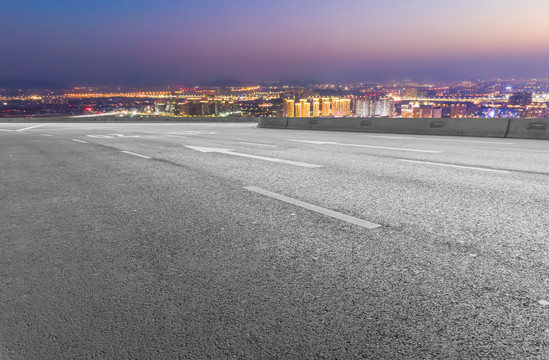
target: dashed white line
80 141
257 144
46 134
455 166
136 154
264 158
318 209
31 127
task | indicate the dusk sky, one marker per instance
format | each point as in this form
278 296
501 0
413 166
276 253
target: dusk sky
170 41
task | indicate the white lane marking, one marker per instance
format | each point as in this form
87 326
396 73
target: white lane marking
455 166
511 149
46 135
100 136
258 144
110 136
366 146
80 141
318 209
6 130
31 127
125 136
190 132
138 155
230 152
452 140
467 141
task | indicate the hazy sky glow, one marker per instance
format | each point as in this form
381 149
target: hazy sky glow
174 41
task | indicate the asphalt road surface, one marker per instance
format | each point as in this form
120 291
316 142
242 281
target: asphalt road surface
216 241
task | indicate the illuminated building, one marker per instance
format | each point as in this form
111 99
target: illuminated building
407 111
509 113
520 98
183 109
458 110
366 106
346 107
326 108
427 112
385 107
337 107
341 107
298 110
536 112
288 110
375 106
316 107
410 93
305 108
486 112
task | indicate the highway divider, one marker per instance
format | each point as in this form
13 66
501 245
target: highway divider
273 122
529 129
423 126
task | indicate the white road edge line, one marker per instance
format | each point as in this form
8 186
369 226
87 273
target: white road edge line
366 146
258 144
138 155
80 141
31 127
318 209
451 140
455 166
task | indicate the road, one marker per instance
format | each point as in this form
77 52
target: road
214 241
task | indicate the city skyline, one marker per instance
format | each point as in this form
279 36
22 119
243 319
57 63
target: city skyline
141 42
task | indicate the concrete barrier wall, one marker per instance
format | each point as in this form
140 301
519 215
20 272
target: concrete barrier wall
466 127
529 129
129 119
273 123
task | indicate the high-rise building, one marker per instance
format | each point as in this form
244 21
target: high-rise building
288 110
341 107
316 107
337 107
298 110
346 107
385 107
305 108
366 106
326 108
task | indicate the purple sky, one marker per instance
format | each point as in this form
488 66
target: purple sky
171 41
